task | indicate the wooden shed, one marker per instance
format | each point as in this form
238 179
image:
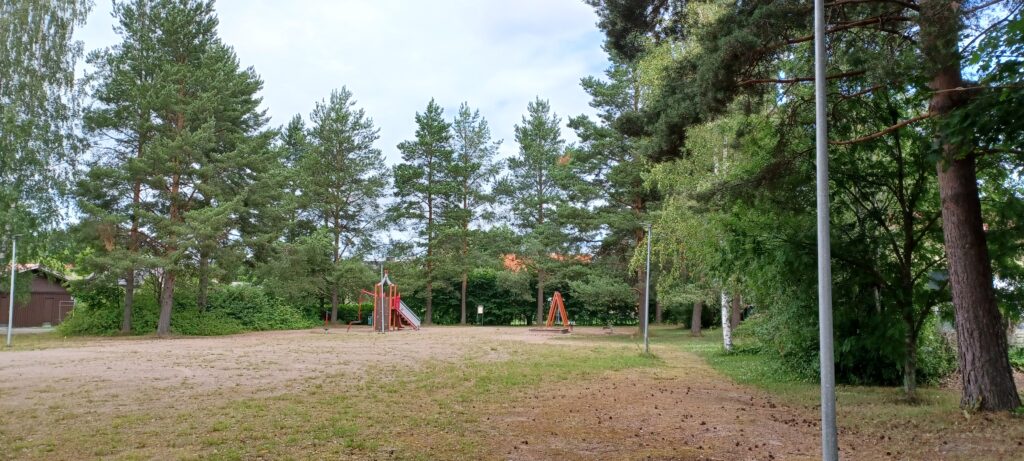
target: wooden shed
49 303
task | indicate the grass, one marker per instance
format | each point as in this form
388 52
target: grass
48 340
881 413
392 413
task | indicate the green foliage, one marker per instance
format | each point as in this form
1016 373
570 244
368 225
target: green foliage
936 356
601 299
232 309
1017 358
97 311
38 112
255 309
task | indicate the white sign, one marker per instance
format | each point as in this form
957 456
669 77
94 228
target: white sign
480 310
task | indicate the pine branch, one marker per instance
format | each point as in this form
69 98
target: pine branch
851 25
884 132
910 5
800 79
982 6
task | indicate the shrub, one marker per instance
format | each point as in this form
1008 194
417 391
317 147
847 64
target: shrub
936 357
1017 358
232 309
255 309
193 323
97 312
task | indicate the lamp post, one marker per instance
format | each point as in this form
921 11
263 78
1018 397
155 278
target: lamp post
10 294
829 442
647 292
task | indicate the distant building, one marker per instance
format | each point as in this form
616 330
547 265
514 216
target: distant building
49 302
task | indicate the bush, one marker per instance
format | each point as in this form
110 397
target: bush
936 357
231 309
97 312
254 309
1017 358
210 323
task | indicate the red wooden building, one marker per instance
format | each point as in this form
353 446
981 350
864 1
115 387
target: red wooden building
49 302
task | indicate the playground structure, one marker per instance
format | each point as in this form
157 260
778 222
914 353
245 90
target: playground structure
389 311
557 309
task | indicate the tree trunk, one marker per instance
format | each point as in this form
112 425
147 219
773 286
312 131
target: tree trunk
129 299
465 250
540 296
465 281
204 281
982 347
163 327
726 324
133 245
428 317
695 319
737 312
334 303
910 364
657 311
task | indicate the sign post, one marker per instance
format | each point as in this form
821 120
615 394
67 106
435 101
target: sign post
480 314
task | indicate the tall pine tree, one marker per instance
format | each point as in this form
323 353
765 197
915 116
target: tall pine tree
188 141
533 189
424 187
472 172
341 178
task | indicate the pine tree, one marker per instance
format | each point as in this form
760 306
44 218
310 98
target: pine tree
341 177
533 190
188 145
610 165
110 194
472 170
424 187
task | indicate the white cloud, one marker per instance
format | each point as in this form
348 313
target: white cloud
395 55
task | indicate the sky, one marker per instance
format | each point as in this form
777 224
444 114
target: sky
396 55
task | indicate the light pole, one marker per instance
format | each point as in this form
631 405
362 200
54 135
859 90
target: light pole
10 294
647 293
829 442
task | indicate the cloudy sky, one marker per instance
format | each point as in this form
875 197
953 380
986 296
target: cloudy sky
395 55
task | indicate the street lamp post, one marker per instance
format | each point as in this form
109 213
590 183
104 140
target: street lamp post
829 442
10 294
647 293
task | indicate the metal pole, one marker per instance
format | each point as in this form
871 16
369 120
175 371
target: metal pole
829 442
10 294
647 293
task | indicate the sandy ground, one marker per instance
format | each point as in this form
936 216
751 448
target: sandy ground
263 363
682 411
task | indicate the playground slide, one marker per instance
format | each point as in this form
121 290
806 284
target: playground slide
409 315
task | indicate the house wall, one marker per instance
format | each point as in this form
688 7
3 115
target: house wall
49 303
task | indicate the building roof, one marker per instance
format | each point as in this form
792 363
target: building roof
39 268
